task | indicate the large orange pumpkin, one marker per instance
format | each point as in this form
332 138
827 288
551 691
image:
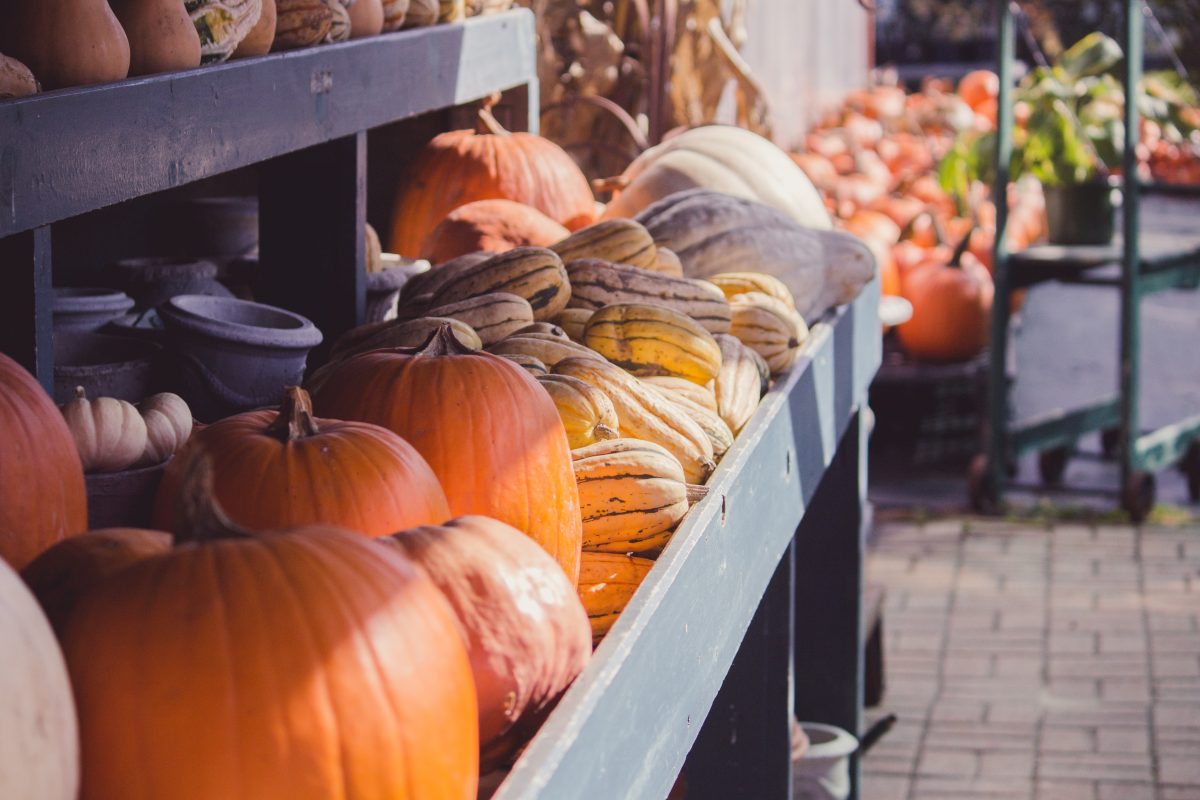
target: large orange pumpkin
42 494
488 429
492 225
527 633
71 568
296 664
459 167
952 305
274 470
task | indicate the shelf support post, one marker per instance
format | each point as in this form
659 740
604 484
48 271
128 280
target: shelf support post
27 304
829 548
312 213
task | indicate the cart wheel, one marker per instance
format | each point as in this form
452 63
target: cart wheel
1052 464
1137 497
981 491
1191 468
1110 440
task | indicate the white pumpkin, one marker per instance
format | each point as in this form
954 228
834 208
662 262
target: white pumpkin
39 748
725 159
109 433
168 425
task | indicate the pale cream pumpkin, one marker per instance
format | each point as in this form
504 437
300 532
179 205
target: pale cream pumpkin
109 433
168 425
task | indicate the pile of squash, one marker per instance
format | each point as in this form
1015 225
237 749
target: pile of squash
875 161
54 45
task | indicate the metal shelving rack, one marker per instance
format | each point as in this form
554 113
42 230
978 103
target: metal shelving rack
754 610
1139 263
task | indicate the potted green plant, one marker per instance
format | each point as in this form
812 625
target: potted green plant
1070 137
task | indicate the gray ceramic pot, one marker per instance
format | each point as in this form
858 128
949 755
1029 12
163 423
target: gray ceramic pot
105 366
82 310
233 355
123 499
154 280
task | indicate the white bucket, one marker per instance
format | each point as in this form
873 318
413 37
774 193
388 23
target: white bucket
823 772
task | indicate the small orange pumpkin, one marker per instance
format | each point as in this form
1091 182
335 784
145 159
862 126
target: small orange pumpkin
495 226
487 428
274 470
459 167
952 306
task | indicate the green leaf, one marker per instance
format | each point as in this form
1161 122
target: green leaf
1091 55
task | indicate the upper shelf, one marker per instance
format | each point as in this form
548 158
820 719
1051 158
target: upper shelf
72 151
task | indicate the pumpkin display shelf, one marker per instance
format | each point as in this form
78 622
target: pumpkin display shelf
753 611
1148 257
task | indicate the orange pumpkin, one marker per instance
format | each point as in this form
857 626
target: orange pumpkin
492 225
526 631
459 167
304 663
952 306
42 494
274 470
488 429
978 87
874 226
71 568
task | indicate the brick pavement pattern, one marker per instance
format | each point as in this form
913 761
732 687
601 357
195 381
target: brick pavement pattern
1051 664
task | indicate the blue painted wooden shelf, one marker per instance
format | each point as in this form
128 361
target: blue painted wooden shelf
625 728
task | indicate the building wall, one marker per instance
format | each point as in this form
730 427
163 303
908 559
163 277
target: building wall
807 54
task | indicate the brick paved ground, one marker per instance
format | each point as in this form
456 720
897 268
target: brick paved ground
1027 663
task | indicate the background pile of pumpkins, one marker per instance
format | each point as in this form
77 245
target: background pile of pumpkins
382 586
80 42
875 162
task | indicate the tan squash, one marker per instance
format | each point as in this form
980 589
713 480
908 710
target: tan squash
531 364
596 283
767 326
710 422
668 263
621 241
586 412
701 394
573 321
607 582
258 40
222 25
740 383
109 433
15 79
301 23
493 316
631 495
339 28
66 42
161 35
535 273
653 340
547 348
735 283
400 333
646 413
366 19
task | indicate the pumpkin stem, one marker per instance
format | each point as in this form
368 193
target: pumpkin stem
200 517
442 342
603 433
295 418
486 121
80 393
696 493
960 249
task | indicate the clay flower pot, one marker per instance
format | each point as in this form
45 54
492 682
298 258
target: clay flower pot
84 310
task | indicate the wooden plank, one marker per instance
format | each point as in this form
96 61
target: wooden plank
745 747
67 152
312 210
27 304
655 676
829 579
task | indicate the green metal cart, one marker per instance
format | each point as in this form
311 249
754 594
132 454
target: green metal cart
1137 263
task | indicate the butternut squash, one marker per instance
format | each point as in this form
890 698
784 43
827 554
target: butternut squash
161 35
66 42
